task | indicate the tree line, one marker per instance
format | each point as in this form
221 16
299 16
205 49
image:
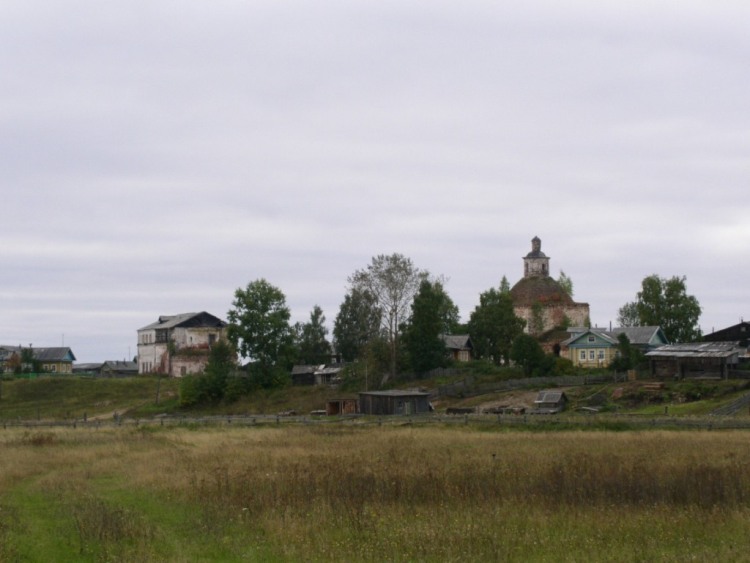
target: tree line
392 320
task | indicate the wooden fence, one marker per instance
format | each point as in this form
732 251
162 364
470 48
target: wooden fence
602 421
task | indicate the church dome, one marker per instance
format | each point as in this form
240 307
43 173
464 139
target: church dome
539 289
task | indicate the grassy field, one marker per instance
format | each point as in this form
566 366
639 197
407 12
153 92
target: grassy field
395 493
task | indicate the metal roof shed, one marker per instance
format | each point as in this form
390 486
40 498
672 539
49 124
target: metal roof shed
394 401
694 360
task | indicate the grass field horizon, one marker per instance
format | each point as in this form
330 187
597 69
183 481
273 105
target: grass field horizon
396 493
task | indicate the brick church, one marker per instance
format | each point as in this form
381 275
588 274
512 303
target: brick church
541 301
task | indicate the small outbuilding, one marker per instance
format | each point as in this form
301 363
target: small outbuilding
394 401
711 360
550 402
342 406
458 347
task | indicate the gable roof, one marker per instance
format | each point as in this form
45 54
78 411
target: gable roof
457 341
550 396
59 354
739 331
637 335
186 320
642 335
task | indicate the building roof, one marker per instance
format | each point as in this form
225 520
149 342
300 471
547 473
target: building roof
637 335
739 331
120 365
550 396
696 350
186 320
539 289
59 354
395 393
457 341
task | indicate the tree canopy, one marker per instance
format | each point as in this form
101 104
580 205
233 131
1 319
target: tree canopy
433 314
566 283
527 353
665 303
259 324
311 342
357 324
393 281
494 326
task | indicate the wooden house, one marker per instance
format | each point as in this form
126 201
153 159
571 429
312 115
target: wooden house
394 401
597 347
739 333
46 360
458 347
316 375
110 368
303 375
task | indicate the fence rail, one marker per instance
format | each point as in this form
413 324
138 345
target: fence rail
550 422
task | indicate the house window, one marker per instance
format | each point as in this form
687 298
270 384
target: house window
592 355
583 354
592 338
211 339
601 354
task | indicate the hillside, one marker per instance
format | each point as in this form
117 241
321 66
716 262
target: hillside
68 398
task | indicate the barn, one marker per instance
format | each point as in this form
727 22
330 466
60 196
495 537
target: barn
394 401
711 360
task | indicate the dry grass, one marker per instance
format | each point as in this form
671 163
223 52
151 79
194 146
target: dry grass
372 494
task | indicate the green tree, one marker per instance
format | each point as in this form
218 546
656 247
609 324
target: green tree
222 361
504 285
393 281
527 353
433 314
628 357
628 315
210 386
566 283
666 303
312 345
356 325
259 325
493 326
536 323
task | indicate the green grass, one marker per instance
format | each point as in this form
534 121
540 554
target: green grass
72 397
372 494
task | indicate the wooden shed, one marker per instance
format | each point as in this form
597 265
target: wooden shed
694 360
550 402
394 401
342 406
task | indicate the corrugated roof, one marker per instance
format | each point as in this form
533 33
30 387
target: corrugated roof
696 350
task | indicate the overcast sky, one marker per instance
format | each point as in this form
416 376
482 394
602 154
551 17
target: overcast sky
157 155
